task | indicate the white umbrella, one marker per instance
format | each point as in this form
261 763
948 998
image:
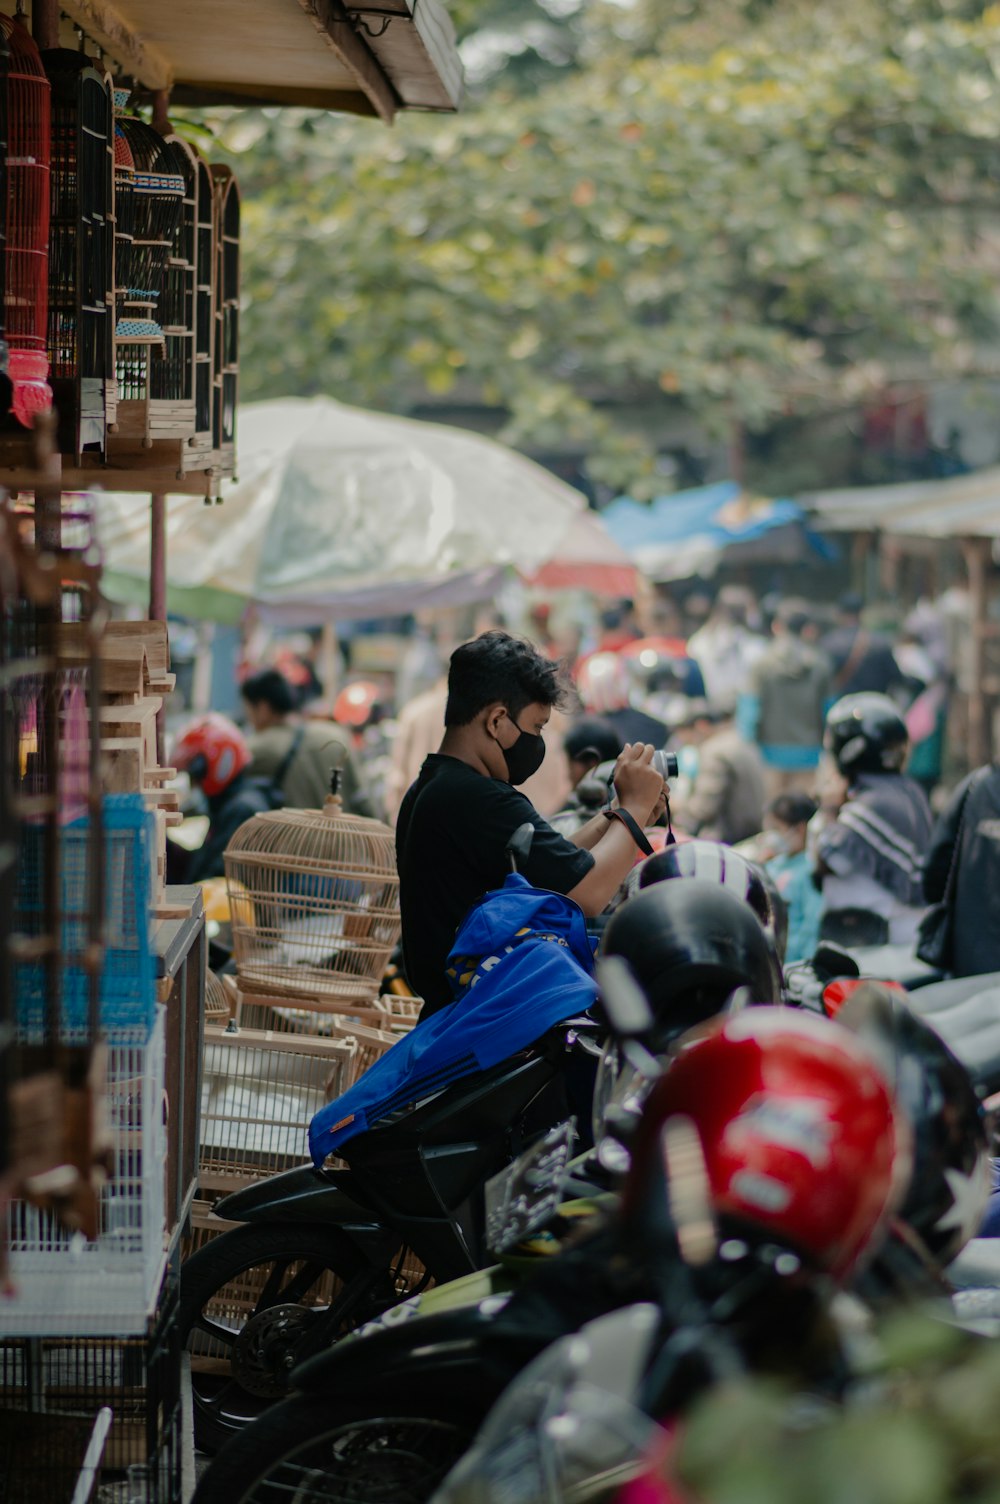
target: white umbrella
342 513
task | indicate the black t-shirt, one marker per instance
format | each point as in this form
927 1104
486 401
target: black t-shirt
451 835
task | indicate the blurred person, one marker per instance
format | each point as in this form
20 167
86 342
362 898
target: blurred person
726 648
870 857
967 834
861 661
790 864
456 820
604 684
784 708
926 687
213 751
419 729
618 627
589 741
726 801
298 755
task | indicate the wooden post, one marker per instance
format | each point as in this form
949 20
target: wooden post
975 552
45 23
161 112
158 588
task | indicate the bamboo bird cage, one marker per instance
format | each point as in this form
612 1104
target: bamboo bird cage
315 903
81 250
27 246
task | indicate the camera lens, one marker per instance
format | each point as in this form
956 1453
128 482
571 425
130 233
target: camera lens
665 763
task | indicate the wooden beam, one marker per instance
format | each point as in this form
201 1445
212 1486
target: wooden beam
335 24
108 27
203 95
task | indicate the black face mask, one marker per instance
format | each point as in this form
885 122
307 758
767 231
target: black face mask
525 756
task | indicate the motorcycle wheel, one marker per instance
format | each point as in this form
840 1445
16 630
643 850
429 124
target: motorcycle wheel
316 1450
250 1299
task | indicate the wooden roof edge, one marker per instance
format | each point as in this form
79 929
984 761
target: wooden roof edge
106 26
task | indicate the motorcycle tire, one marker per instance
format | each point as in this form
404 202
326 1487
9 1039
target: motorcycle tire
249 1300
317 1450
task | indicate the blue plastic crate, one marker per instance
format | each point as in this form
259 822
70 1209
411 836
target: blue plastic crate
128 981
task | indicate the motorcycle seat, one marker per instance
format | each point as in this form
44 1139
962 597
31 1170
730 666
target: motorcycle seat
895 963
957 990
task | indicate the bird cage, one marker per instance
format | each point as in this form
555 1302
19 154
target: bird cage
5 383
27 248
156 193
217 1009
174 406
314 898
227 314
81 249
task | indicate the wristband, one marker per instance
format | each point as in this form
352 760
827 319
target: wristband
633 827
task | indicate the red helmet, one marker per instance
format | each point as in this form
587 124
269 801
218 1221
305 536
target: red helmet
801 1141
356 702
212 750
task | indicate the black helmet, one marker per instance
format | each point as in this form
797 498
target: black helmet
866 734
950 1184
690 945
713 862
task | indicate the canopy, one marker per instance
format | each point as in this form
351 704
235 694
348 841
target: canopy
588 558
341 513
963 506
690 532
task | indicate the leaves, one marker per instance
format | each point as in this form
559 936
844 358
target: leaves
722 212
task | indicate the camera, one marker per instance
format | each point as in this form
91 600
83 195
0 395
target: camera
666 763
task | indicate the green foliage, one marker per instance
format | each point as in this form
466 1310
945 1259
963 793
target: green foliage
734 211
921 1431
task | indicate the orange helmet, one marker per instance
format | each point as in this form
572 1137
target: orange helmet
356 703
212 750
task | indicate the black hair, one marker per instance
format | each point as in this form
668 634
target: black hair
497 669
596 733
271 687
794 615
792 809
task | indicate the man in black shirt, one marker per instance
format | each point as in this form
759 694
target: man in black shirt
456 820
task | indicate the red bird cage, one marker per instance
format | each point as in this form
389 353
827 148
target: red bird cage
26 293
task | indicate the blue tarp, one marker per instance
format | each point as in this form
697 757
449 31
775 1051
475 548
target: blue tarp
525 963
687 533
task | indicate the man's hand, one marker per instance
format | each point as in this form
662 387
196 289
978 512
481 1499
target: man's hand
639 787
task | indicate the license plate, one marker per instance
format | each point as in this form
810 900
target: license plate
522 1198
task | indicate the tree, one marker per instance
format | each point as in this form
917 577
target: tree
733 229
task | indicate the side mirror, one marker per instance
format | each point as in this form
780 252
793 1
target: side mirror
519 846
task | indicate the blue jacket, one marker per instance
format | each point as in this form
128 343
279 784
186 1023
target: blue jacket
522 962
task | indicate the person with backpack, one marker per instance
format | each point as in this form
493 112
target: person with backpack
963 870
213 751
298 755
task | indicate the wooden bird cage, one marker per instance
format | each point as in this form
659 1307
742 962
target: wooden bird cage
226 341
181 407
81 250
5 386
27 246
153 195
314 903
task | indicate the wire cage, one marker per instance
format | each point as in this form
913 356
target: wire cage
137 1377
27 220
81 249
127 984
65 1284
314 903
173 380
5 386
260 1090
54 1458
226 346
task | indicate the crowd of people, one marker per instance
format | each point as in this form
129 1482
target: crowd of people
803 737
